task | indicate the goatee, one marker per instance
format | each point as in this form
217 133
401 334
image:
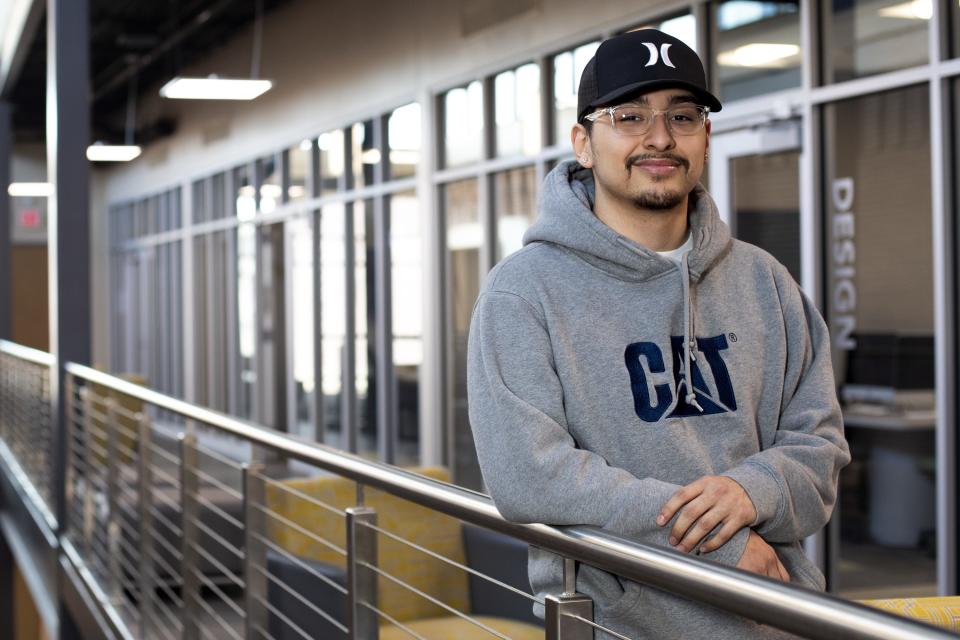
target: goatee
658 201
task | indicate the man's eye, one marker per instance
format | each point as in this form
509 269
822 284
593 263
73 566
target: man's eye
632 116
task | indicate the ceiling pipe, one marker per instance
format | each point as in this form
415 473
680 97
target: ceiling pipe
149 58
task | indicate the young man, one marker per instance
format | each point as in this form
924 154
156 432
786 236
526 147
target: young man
635 368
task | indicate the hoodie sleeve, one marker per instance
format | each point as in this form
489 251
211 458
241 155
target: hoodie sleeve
793 481
532 466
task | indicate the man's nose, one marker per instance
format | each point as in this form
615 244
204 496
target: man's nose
659 136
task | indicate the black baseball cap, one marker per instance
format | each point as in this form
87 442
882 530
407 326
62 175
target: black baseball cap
638 62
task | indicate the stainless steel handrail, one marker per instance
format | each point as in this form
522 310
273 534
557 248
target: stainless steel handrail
806 613
26 353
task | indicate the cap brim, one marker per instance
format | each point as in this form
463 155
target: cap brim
707 98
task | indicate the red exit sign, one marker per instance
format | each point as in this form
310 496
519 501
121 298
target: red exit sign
30 218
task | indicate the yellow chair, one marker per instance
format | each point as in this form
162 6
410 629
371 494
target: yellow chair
942 612
429 529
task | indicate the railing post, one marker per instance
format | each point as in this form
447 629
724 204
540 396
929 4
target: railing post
559 624
361 580
189 535
89 491
113 514
145 482
255 551
70 473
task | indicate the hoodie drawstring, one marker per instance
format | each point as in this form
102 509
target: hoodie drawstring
689 352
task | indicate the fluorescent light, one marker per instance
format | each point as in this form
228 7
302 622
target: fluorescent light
30 189
759 54
271 191
370 156
913 10
112 152
214 88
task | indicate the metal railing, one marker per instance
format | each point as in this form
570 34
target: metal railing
26 429
175 518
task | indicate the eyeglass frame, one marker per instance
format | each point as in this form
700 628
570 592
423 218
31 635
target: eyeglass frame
596 115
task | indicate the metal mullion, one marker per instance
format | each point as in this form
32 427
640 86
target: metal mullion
488 219
871 84
289 391
231 317
546 113
386 422
313 188
489 148
179 297
258 392
432 388
188 310
945 361
290 388
319 423
211 315
348 403
166 298
381 170
386 400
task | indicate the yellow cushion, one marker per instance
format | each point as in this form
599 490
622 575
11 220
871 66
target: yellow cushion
454 628
434 531
943 612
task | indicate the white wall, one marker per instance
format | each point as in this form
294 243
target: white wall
335 63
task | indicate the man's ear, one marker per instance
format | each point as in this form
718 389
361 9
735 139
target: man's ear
581 145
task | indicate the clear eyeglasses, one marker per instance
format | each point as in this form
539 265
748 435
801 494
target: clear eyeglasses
636 119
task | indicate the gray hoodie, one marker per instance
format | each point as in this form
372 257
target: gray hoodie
587 409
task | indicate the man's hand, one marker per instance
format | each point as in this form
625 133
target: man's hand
704 504
759 557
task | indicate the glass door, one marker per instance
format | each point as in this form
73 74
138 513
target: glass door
755 180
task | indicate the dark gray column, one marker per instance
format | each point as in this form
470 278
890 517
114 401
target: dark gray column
6 152
68 244
6 591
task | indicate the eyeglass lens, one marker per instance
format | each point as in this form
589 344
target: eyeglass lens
637 120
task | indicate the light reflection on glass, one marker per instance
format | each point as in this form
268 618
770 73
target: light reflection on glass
406 248
567 69
517 110
463 125
331 161
403 137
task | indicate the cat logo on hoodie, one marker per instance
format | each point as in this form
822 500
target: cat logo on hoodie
646 358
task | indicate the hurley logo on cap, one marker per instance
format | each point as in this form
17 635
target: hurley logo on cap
654 57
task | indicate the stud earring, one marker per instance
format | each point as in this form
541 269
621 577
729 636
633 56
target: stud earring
583 160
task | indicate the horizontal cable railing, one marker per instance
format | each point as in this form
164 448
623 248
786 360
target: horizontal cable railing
26 428
185 533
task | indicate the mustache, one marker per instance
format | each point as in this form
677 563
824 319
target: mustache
680 160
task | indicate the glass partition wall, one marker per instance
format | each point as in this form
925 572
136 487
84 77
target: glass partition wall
351 260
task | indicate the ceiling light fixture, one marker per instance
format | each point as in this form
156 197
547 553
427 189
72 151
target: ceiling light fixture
759 54
913 10
214 87
99 152
30 189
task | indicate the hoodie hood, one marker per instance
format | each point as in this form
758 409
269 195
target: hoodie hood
566 218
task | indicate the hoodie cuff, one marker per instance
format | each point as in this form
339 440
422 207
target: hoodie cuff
762 489
731 551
